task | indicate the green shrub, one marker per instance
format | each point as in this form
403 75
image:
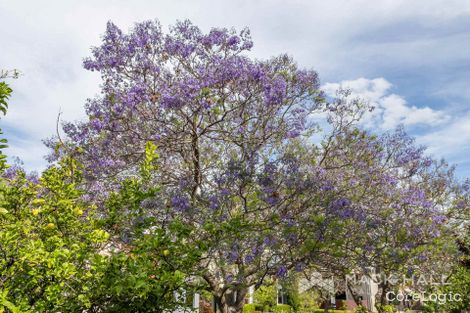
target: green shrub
266 295
386 308
252 308
331 311
249 308
361 309
389 309
46 238
282 308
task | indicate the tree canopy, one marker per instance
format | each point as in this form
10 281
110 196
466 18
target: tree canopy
238 164
199 168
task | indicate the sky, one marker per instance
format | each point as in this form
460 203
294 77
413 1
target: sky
410 59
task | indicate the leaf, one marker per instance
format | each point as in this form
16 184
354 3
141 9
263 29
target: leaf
4 302
149 163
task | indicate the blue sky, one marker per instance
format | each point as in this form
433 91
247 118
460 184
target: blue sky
409 58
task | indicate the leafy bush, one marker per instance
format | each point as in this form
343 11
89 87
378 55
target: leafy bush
282 308
153 267
388 309
58 256
47 238
331 311
5 92
266 296
308 301
251 308
361 309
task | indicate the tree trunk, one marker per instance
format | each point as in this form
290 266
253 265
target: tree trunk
354 294
231 301
383 297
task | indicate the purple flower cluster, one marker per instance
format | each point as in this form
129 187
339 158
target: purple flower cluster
180 203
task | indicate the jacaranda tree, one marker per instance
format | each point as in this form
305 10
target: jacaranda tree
228 135
394 208
237 165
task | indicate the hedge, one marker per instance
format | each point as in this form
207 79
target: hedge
252 308
282 308
331 311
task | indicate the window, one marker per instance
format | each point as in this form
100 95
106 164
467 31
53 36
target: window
282 297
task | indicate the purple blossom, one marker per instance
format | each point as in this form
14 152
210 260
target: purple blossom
33 177
281 271
340 204
249 259
257 250
275 91
97 124
12 171
327 186
292 238
171 102
232 256
293 133
180 203
299 267
233 41
215 37
270 241
214 202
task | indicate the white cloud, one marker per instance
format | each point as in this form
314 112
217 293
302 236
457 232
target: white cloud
391 109
447 134
29 152
451 140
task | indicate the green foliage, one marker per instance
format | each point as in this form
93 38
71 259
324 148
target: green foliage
5 304
386 308
132 282
458 283
57 255
331 311
141 279
47 240
3 158
252 308
149 165
283 308
153 261
308 301
5 92
249 308
361 309
266 295
290 286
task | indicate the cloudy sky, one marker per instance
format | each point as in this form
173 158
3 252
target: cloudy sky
411 59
